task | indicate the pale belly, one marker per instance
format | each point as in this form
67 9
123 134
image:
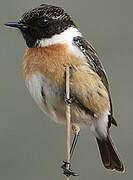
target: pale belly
51 101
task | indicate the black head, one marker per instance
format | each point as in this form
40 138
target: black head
42 22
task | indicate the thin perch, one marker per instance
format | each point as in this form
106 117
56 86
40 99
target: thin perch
68 119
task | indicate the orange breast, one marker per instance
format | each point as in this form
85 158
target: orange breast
50 61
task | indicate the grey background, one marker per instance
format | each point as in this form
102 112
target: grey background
31 146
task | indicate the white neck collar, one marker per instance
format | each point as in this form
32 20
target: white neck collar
64 37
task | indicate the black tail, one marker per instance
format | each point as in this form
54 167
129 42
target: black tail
109 155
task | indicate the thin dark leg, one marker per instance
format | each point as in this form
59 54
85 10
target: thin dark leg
69 171
74 143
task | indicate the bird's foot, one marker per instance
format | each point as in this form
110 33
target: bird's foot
68 171
68 100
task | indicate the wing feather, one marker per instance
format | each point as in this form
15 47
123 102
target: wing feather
95 64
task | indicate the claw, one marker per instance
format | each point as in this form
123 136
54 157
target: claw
68 172
68 101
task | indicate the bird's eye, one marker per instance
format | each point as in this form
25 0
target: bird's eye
43 22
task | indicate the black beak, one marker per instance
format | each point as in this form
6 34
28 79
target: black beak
17 25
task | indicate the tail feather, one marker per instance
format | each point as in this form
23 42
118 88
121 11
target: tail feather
109 154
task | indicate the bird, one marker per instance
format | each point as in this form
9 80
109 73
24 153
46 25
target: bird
54 42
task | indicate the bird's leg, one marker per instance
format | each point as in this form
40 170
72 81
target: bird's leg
76 131
69 171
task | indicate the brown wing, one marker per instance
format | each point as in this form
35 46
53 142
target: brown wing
95 65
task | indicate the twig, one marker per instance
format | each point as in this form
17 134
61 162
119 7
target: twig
68 119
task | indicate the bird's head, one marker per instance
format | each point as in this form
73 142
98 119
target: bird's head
42 22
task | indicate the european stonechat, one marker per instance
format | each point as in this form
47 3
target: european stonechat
55 42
